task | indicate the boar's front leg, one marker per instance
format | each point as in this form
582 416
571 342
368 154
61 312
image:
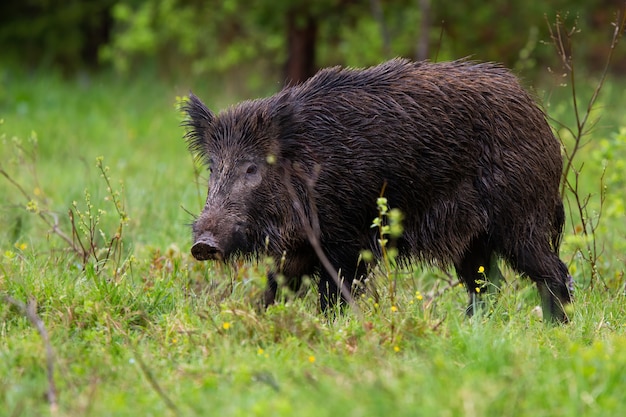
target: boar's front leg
289 272
276 281
554 283
269 296
348 269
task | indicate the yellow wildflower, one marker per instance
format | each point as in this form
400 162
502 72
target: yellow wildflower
226 325
481 269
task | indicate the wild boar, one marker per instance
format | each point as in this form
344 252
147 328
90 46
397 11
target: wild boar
459 147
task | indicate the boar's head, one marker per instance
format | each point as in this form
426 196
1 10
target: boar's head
247 208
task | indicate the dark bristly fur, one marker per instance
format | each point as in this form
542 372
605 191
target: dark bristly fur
459 147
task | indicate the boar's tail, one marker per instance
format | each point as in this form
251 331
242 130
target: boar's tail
557 226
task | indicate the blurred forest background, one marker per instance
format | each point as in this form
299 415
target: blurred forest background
286 41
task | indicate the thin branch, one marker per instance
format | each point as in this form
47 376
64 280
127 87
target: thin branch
88 246
561 46
84 253
43 214
155 384
562 41
30 312
431 295
312 229
619 24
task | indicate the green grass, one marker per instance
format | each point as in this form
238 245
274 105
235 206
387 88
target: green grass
155 333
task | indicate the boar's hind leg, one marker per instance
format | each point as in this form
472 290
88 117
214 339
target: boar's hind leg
550 274
479 272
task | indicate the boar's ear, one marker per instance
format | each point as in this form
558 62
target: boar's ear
199 124
286 128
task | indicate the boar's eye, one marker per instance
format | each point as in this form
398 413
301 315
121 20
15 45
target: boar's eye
252 169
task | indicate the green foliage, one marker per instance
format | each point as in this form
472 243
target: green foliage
66 33
501 30
198 38
213 36
221 37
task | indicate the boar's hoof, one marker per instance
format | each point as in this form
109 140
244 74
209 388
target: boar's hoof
205 248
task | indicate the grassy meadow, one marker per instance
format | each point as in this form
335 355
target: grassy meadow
103 312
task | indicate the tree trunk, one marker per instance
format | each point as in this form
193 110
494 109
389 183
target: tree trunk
422 49
301 39
379 16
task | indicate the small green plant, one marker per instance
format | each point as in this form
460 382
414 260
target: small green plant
85 236
389 225
94 243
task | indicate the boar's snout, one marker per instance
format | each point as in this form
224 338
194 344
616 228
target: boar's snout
206 248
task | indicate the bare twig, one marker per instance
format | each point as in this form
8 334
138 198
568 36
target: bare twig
43 214
589 225
30 312
440 41
84 239
79 248
17 411
563 46
562 39
436 293
155 384
312 229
